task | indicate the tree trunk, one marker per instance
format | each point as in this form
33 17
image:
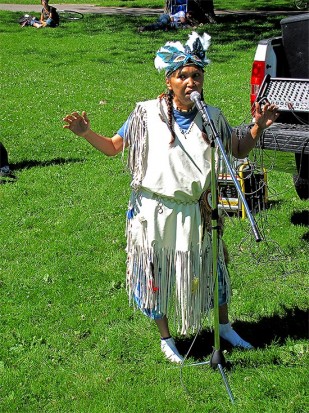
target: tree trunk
202 10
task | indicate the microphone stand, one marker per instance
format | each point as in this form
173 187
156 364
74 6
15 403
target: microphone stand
217 359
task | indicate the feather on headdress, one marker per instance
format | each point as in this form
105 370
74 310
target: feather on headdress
174 55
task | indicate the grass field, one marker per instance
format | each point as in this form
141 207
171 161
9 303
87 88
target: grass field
69 342
218 4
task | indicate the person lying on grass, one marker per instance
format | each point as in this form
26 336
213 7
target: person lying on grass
167 22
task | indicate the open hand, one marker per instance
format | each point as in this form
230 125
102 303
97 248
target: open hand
78 124
266 117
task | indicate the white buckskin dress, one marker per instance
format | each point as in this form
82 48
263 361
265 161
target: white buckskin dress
169 254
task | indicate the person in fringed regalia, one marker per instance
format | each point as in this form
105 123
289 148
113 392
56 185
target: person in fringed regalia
169 255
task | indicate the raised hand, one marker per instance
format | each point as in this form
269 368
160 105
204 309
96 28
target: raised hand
267 116
78 124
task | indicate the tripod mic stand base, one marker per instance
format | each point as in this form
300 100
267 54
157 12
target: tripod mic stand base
217 361
216 358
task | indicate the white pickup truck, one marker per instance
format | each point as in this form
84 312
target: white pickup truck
280 74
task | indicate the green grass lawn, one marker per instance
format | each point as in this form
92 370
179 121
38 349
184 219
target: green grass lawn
69 342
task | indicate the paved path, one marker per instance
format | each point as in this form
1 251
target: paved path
90 8
83 8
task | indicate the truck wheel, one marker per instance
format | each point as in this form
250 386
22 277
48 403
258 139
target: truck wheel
301 179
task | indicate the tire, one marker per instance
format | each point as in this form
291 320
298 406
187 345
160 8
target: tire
70 15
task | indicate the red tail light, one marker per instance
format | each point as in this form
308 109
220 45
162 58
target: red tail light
257 76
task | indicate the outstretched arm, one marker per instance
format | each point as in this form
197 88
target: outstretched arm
80 125
263 119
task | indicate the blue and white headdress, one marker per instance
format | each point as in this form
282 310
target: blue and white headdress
174 55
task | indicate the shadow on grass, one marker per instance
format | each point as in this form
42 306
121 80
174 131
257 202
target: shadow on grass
301 218
267 330
8 179
26 164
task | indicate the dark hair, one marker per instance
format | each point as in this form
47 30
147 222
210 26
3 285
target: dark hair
168 97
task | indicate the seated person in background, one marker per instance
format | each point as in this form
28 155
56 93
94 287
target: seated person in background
178 19
49 17
169 21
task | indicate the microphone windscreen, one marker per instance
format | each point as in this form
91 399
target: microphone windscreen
195 96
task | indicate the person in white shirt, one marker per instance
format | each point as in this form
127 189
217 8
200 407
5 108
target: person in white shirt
168 22
179 17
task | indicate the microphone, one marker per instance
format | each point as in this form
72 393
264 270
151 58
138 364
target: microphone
196 98
202 108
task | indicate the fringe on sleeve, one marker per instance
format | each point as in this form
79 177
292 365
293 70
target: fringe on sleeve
135 137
